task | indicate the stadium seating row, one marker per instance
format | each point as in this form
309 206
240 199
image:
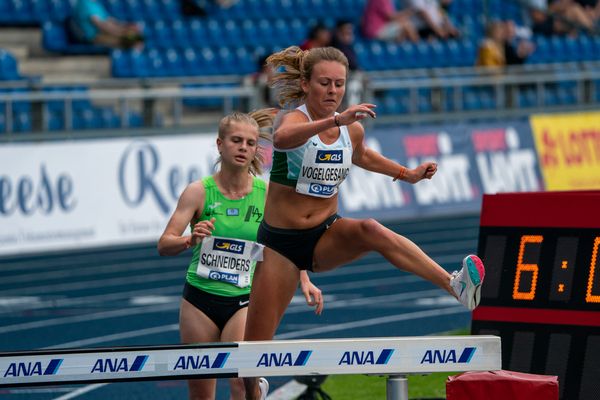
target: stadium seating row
372 56
397 101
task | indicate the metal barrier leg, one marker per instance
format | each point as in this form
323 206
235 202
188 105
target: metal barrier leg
397 387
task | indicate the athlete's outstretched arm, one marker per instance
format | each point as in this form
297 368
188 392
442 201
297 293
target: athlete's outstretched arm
371 160
295 128
191 201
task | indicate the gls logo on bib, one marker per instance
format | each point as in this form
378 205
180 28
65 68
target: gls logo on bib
228 245
329 157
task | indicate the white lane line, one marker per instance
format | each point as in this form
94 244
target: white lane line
94 299
81 391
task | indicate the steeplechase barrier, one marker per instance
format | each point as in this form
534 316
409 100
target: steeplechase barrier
394 357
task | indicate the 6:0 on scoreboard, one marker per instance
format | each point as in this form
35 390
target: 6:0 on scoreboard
541 292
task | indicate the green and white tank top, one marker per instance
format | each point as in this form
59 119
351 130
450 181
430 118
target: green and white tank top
314 168
224 263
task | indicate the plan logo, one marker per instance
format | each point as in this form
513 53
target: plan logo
284 359
224 277
33 368
201 362
228 245
448 356
329 157
317 188
121 364
366 357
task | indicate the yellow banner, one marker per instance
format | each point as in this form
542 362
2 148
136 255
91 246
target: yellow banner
568 147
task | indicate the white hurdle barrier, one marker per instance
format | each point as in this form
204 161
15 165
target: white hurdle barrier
395 357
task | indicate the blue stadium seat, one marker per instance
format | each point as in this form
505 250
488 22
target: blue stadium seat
586 46
423 56
439 54
161 34
207 62
264 33
116 8
377 54
230 33
139 64
190 61
245 61
226 61
393 58
171 9
249 33
214 32
173 63
181 35
8 67
298 30
54 37
59 9
282 32
156 63
151 10
197 32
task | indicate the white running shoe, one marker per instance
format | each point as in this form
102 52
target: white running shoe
263 385
466 283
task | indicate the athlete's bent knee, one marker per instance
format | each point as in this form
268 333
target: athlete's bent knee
371 230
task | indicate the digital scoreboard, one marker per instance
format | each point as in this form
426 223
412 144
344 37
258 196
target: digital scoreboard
541 292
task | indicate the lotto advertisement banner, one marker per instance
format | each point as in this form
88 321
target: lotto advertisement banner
65 195
569 150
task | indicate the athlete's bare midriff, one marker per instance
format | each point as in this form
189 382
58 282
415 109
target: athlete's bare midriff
290 210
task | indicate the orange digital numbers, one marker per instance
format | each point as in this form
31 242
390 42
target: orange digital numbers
590 296
521 268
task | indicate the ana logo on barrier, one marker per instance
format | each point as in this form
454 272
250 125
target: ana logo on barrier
122 364
365 357
329 157
228 245
201 362
284 359
448 356
33 368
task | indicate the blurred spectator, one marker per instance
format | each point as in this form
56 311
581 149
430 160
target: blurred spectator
382 21
318 36
517 46
491 50
202 8
591 7
343 39
560 17
91 23
431 19
261 80
573 12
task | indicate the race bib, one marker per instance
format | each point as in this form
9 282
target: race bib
228 260
322 171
